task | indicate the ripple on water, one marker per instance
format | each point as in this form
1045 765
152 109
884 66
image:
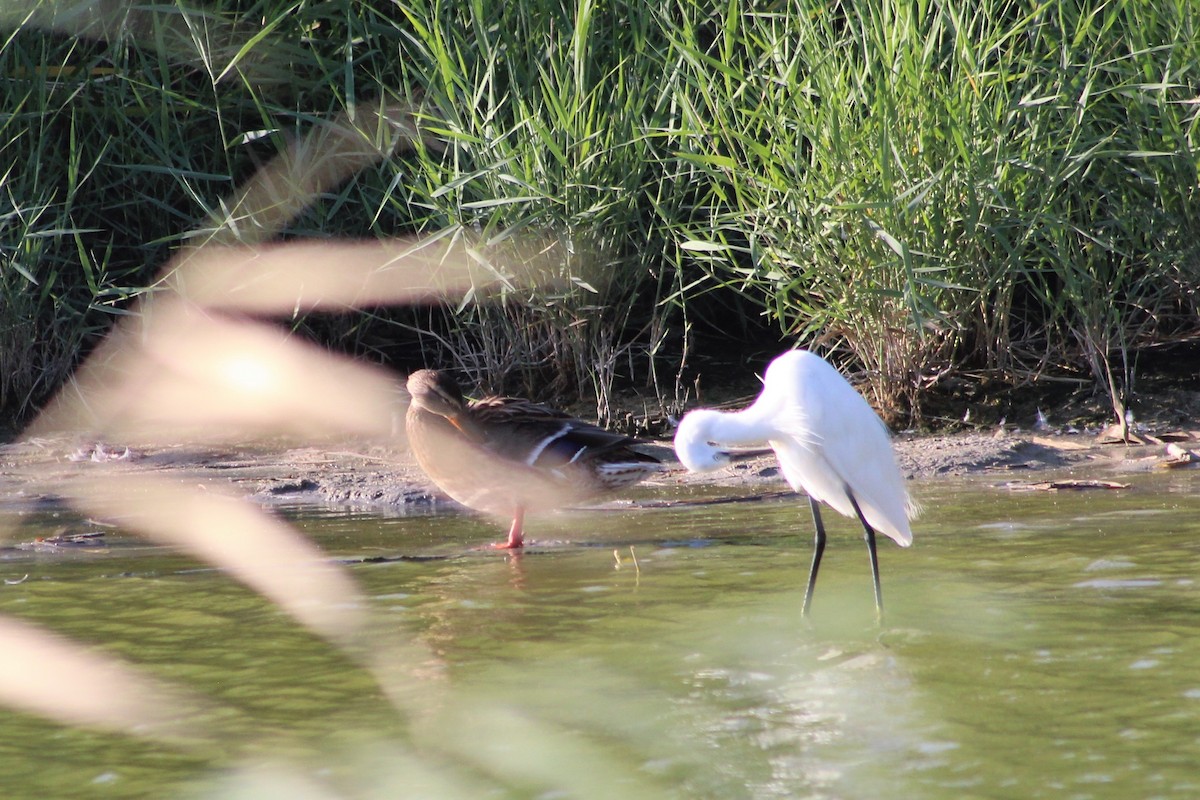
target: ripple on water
1108 563
1118 583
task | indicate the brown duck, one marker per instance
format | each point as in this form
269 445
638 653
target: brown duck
507 456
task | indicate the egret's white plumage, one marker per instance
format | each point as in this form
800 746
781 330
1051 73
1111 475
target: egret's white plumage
829 442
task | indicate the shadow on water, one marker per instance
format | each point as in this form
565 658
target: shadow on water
1036 645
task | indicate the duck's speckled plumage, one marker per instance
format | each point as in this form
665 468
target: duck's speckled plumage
508 456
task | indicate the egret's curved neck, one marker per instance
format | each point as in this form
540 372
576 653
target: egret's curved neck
749 427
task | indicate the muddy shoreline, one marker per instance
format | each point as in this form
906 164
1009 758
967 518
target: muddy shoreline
384 477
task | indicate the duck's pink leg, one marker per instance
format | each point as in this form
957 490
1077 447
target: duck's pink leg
516 534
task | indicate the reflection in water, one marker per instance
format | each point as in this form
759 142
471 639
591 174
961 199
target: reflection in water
1036 646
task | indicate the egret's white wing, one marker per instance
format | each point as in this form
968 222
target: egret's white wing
835 440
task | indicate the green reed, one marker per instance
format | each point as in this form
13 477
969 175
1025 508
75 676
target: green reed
923 186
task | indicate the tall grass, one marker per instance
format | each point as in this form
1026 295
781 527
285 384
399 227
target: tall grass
922 186
936 183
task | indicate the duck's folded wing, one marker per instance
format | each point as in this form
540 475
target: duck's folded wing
537 436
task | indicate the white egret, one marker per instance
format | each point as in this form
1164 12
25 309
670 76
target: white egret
829 442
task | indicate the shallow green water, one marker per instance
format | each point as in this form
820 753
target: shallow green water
1036 645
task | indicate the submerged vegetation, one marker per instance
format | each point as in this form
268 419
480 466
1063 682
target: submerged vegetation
924 187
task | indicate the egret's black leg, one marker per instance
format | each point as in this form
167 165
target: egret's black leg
869 535
818 551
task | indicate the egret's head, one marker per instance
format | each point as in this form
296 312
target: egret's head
693 443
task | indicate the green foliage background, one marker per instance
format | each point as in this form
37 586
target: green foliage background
924 186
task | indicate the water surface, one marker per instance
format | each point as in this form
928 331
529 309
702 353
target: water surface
1035 645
